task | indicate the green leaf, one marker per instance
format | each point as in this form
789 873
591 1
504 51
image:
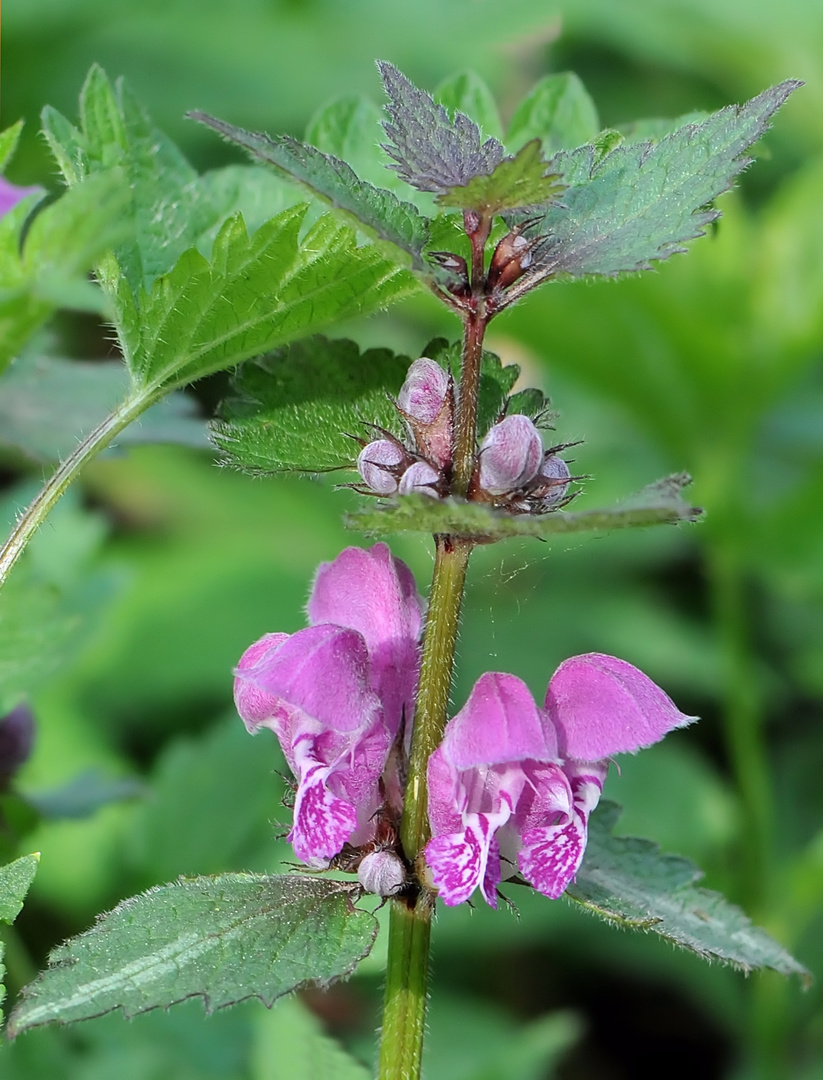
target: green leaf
432 151
642 202
295 410
63 242
224 939
15 879
468 94
659 504
376 210
517 183
253 295
558 111
629 882
83 796
48 404
350 129
290 1044
8 143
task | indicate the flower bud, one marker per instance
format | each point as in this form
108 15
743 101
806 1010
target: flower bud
554 479
511 258
510 455
382 872
379 463
423 393
419 479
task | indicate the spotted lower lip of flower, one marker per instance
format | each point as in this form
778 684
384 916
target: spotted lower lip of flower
513 780
335 693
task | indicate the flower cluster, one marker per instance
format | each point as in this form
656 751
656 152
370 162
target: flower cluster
512 784
512 467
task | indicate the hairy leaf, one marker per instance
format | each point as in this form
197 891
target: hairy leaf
628 881
296 409
47 404
517 183
376 209
467 93
15 879
558 111
350 128
253 295
225 939
640 202
431 150
659 504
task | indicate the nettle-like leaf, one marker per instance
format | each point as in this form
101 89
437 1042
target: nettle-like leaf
431 150
629 882
659 504
558 111
296 410
377 210
254 294
15 879
517 182
628 205
223 938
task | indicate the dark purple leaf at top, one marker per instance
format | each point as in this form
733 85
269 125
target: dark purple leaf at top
431 150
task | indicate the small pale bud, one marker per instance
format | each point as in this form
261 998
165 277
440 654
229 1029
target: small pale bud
512 257
382 872
554 473
377 463
418 480
510 455
424 391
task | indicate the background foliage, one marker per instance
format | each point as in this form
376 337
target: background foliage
151 580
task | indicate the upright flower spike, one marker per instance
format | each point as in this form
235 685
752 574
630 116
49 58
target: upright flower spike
516 781
334 695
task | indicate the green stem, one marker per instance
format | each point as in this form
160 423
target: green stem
410 920
465 428
65 473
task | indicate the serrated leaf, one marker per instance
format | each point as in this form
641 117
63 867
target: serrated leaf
48 404
496 380
295 410
431 150
377 210
253 295
641 202
64 240
15 880
467 93
659 504
224 939
629 881
533 403
290 1044
558 111
516 183
9 138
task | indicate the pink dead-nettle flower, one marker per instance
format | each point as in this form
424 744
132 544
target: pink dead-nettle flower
381 463
512 786
335 695
510 455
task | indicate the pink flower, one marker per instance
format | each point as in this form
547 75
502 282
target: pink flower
335 694
11 194
512 786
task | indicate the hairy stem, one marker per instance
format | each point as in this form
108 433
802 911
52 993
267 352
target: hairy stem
65 473
465 435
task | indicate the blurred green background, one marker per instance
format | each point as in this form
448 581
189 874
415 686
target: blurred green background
163 568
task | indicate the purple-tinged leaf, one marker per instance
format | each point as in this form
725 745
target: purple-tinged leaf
516 183
431 150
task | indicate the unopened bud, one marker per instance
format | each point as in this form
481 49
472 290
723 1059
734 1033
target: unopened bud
510 455
16 739
419 479
511 258
422 395
378 463
554 476
382 872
